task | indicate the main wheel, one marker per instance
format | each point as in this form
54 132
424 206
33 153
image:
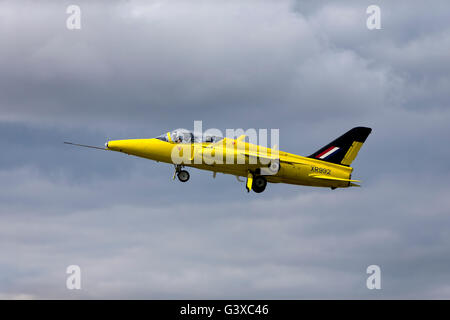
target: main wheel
259 184
183 175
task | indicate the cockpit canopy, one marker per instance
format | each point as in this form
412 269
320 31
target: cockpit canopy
186 136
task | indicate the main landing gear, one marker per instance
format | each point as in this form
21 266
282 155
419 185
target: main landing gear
259 184
182 175
256 183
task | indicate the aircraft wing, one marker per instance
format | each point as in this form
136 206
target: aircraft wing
269 158
321 176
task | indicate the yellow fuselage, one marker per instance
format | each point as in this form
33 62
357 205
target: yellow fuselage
293 169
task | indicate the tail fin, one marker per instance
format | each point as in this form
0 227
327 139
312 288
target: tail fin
344 149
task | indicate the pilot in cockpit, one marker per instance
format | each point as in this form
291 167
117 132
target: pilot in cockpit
185 136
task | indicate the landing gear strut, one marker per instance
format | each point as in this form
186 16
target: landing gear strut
182 175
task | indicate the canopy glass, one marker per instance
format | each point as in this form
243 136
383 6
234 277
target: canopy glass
186 136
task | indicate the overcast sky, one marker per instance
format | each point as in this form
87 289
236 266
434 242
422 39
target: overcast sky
137 69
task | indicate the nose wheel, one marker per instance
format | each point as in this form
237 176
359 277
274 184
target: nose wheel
182 175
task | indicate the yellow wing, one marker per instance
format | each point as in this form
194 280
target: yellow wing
320 176
271 158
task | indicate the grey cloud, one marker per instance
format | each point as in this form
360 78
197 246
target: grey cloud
282 247
252 59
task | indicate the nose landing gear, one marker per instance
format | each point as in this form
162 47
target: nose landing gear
182 175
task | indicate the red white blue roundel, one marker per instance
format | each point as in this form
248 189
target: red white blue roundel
328 152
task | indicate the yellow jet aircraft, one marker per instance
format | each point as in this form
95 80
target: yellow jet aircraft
327 167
